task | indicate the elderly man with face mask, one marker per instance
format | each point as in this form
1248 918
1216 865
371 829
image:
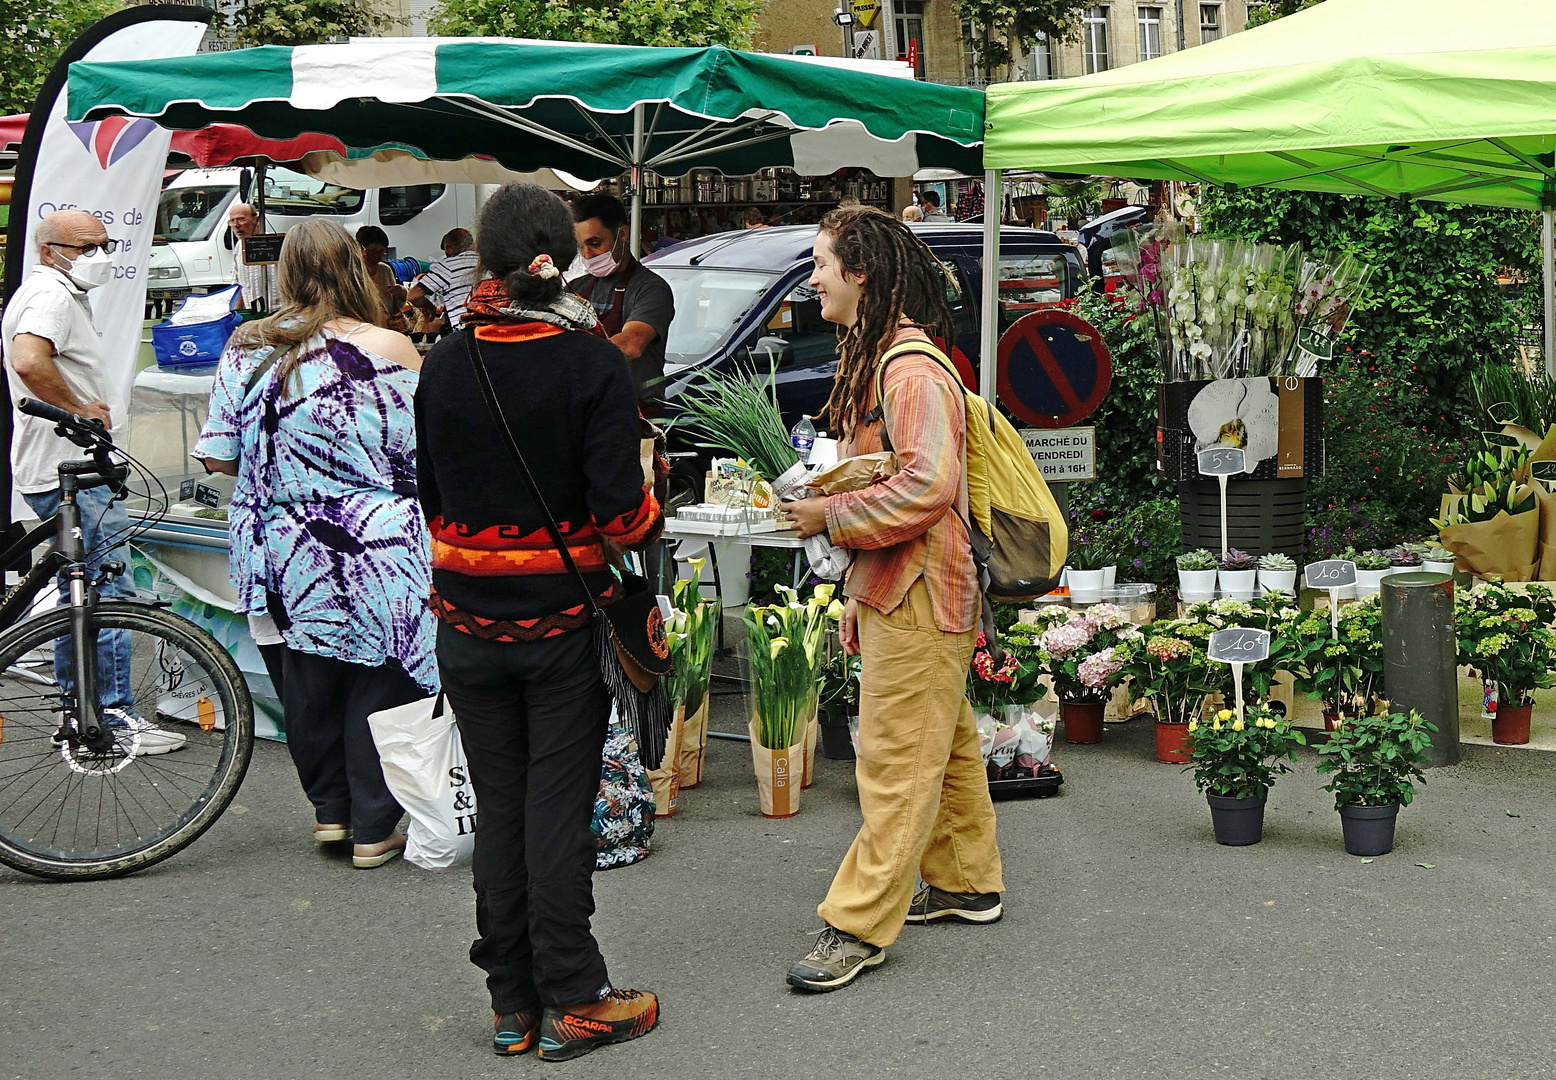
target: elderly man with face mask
52 353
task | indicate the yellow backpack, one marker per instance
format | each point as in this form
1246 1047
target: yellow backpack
1019 536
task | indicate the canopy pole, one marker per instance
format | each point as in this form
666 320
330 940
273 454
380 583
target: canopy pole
1548 286
988 337
637 179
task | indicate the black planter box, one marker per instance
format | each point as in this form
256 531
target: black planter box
1045 783
1301 430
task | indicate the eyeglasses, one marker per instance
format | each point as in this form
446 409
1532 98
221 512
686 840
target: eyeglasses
110 246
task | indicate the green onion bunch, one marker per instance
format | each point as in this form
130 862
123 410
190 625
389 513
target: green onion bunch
738 413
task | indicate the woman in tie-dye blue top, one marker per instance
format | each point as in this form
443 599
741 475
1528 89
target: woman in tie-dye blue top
312 411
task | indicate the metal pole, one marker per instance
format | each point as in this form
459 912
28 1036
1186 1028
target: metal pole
1420 665
1548 286
637 179
989 336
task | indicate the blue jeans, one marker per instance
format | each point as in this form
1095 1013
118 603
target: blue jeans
99 519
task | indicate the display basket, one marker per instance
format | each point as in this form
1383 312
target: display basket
1045 783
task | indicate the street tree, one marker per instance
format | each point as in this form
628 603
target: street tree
1001 28
300 22
688 23
32 35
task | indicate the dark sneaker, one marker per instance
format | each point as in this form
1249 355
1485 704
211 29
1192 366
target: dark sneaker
836 961
618 1016
930 904
515 1032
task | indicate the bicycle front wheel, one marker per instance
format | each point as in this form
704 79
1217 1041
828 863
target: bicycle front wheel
183 729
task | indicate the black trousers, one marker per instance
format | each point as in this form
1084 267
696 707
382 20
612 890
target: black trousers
533 718
326 703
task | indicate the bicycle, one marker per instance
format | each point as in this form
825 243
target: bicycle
80 797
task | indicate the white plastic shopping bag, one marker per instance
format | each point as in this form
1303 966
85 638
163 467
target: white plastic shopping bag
424 766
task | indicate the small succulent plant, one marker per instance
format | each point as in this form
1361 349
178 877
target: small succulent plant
1372 560
1276 561
1239 560
1433 553
1401 556
1199 559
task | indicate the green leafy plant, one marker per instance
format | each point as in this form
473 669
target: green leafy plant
1198 559
1506 395
788 651
1275 560
301 22
1494 479
1092 556
689 634
684 23
839 695
1505 636
738 413
1376 760
1171 670
1403 556
1240 759
1370 560
1344 672
1265 612
32 35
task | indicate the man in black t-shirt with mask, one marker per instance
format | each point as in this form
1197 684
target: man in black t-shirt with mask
635 305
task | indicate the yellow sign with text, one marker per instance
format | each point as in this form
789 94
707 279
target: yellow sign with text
866 12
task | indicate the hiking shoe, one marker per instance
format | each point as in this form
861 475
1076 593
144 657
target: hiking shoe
836 961
576 1030
515 1032
930 904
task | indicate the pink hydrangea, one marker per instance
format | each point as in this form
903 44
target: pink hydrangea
1108 616
983 667
1060 641
1096 672
1167 648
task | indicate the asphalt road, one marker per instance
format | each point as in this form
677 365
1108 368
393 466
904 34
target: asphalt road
1133 946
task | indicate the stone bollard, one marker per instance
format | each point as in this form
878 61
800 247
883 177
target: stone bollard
1420 661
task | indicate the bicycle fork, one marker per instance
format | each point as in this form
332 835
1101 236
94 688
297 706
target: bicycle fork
83 639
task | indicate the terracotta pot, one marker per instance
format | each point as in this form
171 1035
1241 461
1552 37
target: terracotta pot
1082 720
1510 725
1331 721
1172 743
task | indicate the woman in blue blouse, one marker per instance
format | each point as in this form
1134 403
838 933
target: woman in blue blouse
312 412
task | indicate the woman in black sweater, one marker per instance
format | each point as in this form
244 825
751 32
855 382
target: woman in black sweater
514 649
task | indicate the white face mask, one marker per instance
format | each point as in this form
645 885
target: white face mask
604 264
91 271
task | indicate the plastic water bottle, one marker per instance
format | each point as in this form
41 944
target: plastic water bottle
803 437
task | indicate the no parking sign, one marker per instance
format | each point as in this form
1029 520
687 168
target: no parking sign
1054 369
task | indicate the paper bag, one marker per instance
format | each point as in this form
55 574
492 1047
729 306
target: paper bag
694 745
778 775
1507 546
854 473
666 780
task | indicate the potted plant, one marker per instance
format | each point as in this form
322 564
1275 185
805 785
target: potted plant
1437 559
1373 763
1371 568
1016 736
1234 762
1084 656
1505 636
1197 574
1170 669
1278 573
1238 573
839 704
1086 572
1403 558
689 634
1345 672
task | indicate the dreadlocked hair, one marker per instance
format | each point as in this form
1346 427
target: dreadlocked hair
902 280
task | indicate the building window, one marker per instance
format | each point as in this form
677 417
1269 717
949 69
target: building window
1150 19
1209 23
910 28
1094 39
1043 58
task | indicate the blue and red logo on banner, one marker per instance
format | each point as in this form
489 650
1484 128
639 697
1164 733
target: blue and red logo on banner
109 140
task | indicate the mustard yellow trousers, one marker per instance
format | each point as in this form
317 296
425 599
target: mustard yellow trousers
922 786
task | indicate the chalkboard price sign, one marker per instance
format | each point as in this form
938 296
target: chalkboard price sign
1222 461
262 249
1544 471
1239 646
1330 574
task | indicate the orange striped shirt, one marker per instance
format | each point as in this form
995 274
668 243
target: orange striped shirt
910 525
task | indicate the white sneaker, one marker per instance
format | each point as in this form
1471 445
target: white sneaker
154 740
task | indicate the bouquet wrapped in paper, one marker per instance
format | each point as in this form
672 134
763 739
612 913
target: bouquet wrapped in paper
1491 515
689 633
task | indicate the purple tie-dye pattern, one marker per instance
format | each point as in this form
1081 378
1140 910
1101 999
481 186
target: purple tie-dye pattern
324 510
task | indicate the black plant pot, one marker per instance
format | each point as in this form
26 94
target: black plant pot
836 743
1238 822
1369 830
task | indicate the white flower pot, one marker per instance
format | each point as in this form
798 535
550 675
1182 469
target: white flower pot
1196 584
1369 581
1435 567
1085 586
1238 583
1280 580
1109 576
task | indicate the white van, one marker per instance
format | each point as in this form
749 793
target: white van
192 252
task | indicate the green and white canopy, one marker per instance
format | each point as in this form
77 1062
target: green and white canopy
1426 99
591 110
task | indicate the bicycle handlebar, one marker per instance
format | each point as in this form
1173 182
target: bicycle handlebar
92 431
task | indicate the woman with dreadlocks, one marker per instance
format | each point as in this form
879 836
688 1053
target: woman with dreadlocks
913 603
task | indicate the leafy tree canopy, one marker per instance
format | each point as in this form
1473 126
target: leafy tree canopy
300 22
32 35
1000 26
687 23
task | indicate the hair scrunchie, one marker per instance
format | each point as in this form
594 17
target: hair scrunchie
541 266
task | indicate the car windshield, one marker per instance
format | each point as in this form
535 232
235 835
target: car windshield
191 213
288 192
708 305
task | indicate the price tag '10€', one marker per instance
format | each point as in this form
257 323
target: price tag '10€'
1239 645
1330 574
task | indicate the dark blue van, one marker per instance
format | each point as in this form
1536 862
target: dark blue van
741 298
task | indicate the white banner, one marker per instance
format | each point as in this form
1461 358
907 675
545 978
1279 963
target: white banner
113 170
